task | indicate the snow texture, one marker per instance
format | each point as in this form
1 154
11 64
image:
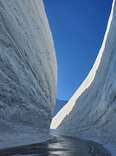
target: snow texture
27 71
111 148
91 112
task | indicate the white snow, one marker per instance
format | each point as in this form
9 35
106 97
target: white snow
27 72
91 112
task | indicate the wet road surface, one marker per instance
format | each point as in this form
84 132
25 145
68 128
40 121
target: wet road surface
59 146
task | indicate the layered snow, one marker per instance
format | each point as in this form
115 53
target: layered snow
27 71
91 112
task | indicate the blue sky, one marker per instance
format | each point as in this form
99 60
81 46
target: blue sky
78 28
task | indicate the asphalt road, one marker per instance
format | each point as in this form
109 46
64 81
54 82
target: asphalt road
59 146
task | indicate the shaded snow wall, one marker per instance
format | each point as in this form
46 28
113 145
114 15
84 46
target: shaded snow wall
27 67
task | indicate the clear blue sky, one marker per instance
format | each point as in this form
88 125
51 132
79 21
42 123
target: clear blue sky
78 27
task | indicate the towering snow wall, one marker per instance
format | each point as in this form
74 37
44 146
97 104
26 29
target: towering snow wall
91 112
27 71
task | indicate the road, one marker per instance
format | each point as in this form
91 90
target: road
59 146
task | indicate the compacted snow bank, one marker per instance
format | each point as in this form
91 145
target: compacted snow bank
9 140
111 148
27 72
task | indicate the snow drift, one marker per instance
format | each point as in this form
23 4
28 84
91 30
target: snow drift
91 112
27 72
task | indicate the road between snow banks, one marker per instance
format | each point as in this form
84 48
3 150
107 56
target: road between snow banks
59 146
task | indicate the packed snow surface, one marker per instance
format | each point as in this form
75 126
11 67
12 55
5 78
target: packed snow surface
27 72
91 112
